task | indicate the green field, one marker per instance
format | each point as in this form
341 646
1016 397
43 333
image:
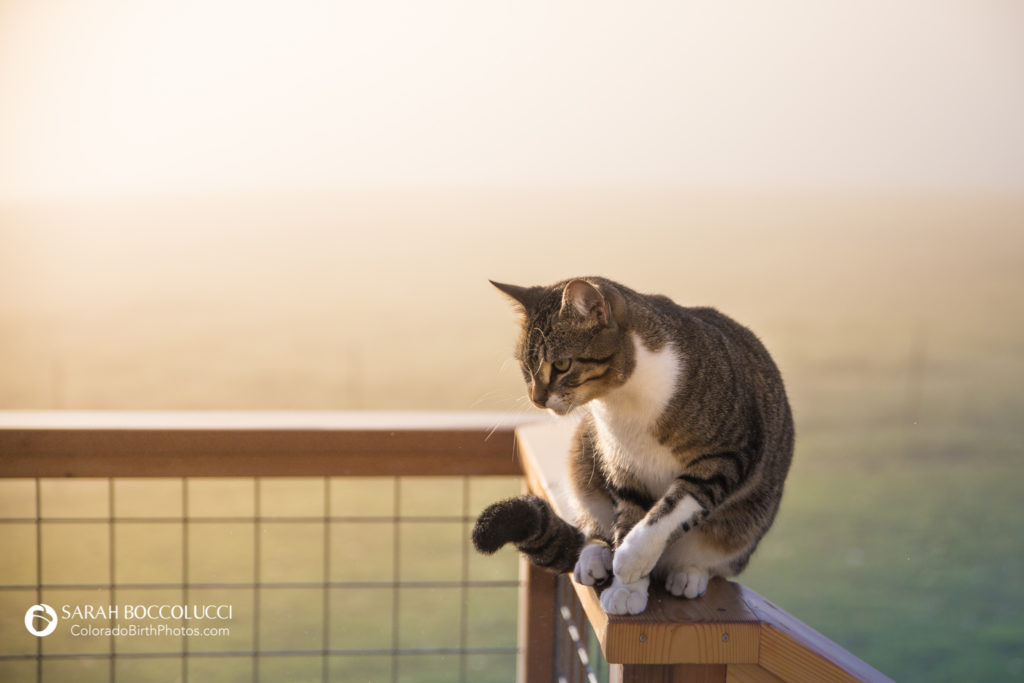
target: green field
899 532
914 567
896 322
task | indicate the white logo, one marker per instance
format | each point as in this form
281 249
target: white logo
40 614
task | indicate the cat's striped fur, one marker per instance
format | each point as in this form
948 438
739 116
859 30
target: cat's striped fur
684 444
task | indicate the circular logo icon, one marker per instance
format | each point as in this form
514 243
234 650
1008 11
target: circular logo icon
40 620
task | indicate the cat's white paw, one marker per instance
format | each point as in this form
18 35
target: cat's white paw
689 582
625 598
636 555
594 564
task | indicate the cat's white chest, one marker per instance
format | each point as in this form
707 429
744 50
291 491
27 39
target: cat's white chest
625 419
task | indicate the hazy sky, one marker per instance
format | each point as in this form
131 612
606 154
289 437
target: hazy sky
135 97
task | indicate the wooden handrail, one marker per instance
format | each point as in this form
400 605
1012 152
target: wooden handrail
731 633
247 444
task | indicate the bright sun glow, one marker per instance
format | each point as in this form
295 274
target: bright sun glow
114 98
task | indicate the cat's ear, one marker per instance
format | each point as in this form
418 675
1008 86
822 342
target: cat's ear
524 297
588 301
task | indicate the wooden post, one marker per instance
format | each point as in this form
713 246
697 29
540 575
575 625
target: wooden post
536 637
668 673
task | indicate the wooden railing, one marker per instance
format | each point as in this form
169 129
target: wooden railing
246 444
731 634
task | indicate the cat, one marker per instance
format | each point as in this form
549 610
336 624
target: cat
684 443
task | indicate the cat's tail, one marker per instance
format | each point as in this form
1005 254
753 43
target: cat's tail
530 523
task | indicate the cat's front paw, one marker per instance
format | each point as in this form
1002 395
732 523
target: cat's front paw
594 564
625 598
636 556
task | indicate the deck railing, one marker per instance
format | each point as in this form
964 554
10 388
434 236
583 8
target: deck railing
731 634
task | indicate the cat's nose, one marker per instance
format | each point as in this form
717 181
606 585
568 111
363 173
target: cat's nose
539 397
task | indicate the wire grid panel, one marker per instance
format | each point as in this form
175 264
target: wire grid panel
578 655
254 579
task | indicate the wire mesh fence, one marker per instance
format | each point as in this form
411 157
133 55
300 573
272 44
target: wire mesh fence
246 579
578 655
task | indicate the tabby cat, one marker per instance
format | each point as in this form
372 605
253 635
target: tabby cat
680 456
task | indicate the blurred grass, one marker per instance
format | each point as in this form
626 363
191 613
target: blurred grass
896 321
917 570
898 535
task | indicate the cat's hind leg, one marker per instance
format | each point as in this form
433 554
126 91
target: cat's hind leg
688 582
690 561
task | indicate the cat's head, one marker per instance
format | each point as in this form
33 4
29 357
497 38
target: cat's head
574 345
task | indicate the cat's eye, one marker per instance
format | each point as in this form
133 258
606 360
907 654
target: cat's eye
562 365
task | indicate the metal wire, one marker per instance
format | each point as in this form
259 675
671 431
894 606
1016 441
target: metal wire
395 583
576 661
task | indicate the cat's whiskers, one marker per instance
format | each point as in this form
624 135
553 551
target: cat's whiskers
504 364
524 403
493 429
498 395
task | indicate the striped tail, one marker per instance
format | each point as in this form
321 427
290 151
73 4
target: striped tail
530 523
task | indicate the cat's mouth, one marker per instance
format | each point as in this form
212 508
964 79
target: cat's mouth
560 405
